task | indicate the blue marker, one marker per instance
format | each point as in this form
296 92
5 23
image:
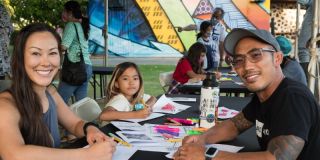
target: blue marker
138 106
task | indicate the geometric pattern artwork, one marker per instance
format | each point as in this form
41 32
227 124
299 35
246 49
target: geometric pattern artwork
204 10
147 28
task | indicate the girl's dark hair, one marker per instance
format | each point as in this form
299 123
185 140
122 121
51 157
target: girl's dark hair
203 28
75 9
31 125
118 71
193 56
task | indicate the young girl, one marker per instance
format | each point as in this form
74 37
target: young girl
205 37
125 91
189 67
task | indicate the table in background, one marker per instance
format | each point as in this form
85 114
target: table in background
228 86
247 139
102 72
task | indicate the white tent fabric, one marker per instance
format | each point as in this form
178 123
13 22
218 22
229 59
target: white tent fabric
313 68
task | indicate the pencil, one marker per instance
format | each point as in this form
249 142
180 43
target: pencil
119 140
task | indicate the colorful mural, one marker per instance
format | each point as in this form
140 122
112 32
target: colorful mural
148 28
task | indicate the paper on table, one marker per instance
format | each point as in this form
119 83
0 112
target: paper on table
141 139
123 152
221 147
194 83
151 132
135 136
127 126
151 116
165 105
225 112
167 149
182 99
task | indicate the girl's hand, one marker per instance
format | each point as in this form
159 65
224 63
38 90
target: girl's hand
144 113
218 75
94 135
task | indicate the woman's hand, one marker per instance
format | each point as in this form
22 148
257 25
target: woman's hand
94 135
102 150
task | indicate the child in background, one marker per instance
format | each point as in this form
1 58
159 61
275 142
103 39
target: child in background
125 90
189 68
205 37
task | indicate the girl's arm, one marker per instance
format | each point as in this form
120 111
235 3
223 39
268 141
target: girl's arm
12 145
109 114
193 75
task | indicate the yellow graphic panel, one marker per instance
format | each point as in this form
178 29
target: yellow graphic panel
160 24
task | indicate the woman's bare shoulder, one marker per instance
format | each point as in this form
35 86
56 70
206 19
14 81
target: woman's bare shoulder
7 103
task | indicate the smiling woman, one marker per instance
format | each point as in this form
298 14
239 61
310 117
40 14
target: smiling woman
31 109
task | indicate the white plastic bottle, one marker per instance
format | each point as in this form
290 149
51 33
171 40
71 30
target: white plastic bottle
209 101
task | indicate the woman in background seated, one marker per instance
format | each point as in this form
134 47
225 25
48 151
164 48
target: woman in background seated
290 67
31 109
189 67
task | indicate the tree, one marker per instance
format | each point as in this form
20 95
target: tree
46 11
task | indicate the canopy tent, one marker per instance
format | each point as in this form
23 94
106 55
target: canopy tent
313 67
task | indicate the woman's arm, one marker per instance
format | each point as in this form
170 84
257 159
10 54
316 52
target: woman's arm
13 147
73 123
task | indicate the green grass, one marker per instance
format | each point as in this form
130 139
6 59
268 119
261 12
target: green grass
150 75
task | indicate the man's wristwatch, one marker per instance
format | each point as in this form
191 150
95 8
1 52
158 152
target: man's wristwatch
210 153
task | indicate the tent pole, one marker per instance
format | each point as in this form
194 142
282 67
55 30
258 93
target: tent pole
105 60
297 32
312 68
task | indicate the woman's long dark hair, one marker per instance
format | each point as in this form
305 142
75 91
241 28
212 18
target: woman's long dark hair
32 127
193 56
203 28
75 9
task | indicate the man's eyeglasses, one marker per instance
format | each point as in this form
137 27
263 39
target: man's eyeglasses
253 56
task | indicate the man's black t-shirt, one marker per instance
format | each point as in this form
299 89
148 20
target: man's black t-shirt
290 110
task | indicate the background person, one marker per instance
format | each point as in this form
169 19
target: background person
204 37
305 35
284 112
70 42
290 67
6 30
124 91
30 110
219 31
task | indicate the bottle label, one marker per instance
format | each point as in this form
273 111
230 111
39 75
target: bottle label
208 106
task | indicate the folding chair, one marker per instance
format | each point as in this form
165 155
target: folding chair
87 109
165 80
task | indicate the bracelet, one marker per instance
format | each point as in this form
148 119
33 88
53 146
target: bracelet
86 125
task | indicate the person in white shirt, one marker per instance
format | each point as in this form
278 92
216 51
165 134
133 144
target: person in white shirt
125 95
219 30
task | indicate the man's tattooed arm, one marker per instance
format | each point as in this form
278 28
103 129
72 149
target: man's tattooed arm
241 123
286 147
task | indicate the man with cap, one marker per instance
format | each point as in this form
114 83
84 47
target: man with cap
290 67
284 112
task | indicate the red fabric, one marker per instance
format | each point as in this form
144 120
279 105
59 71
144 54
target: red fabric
180 74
